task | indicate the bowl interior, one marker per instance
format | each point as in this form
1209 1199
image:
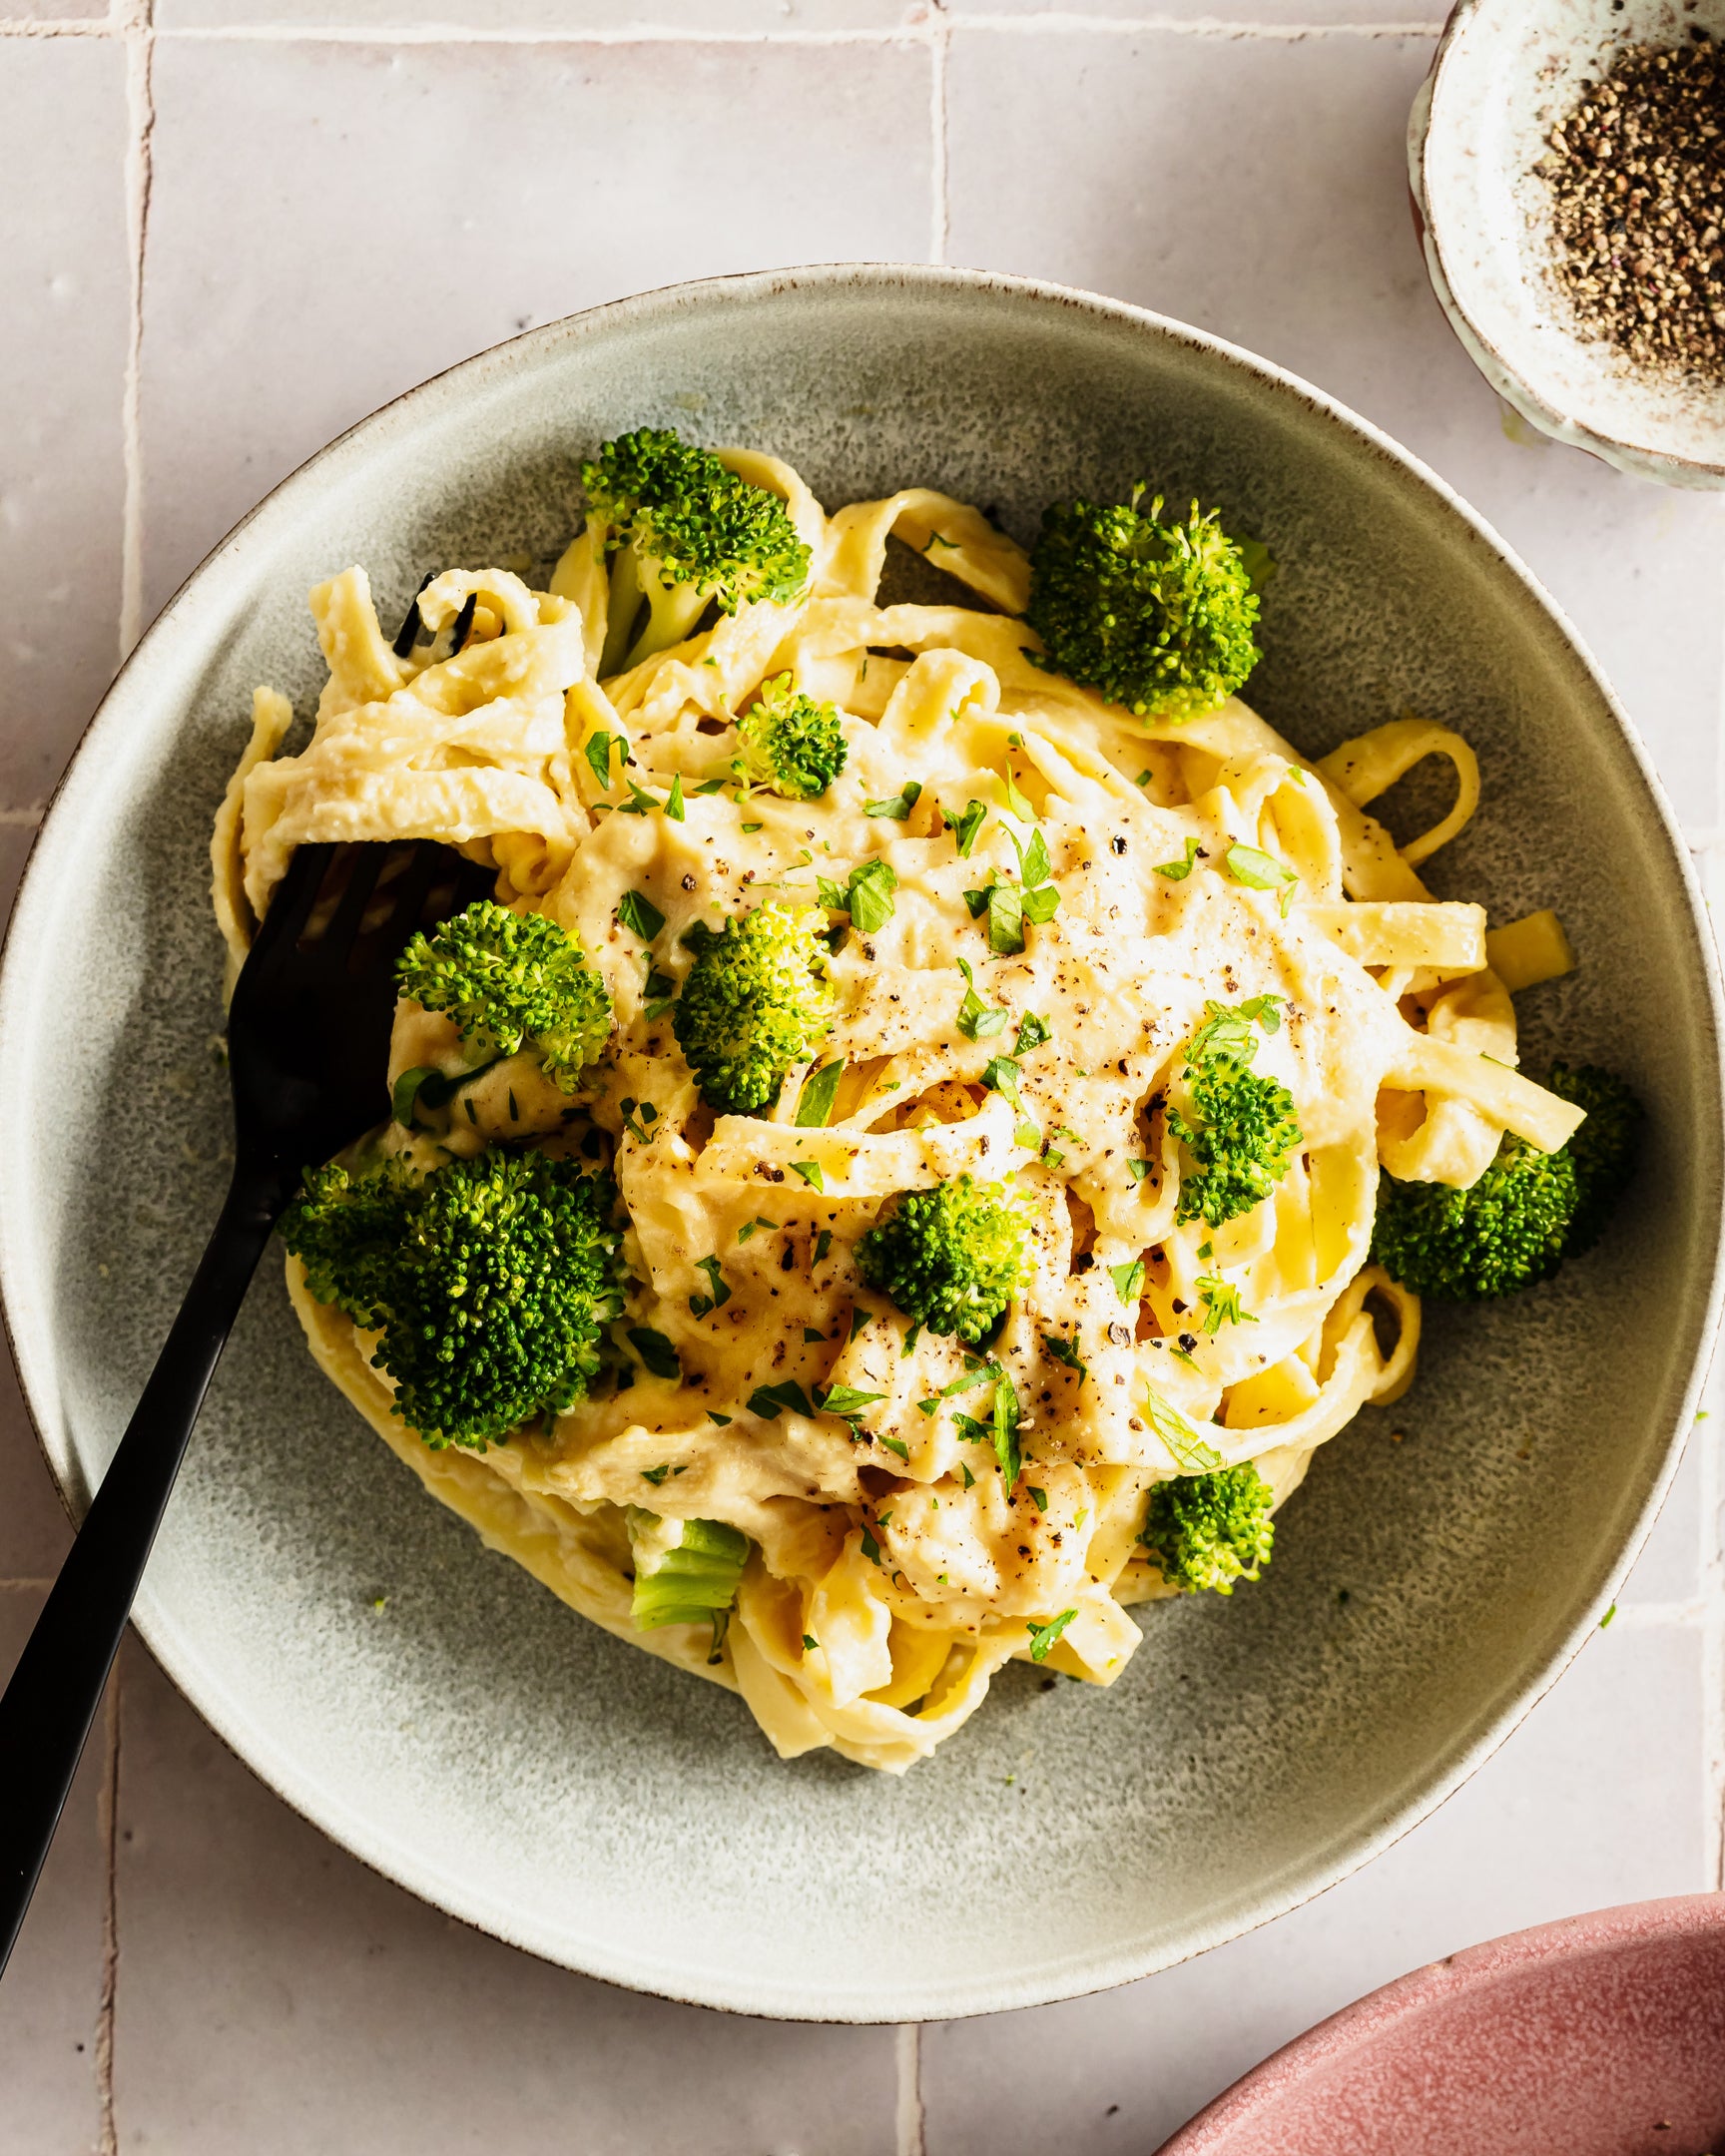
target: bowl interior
1600 2036
1509 69
443 1716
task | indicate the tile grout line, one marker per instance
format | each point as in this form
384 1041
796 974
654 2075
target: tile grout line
1655 1616
1711 1436
1044 22
423 33
108 1814
940 207
1713 1655
907 2115
67 27
136 19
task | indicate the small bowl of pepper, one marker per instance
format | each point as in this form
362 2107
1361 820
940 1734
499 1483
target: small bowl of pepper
1567 164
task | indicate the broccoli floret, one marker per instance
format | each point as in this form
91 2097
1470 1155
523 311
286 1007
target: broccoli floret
1604 1149
509 979
1245 1134
755 1002
1209 1530
1502 1233
1157 617
489 1281
951 1258
1527 1212
790 743
682 530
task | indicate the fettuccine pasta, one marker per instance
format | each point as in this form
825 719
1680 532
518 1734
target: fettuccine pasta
892 1563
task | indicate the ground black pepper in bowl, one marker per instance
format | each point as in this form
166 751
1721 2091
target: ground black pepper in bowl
1637 178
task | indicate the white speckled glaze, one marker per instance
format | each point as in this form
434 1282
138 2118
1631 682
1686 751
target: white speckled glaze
1505 72
481 1744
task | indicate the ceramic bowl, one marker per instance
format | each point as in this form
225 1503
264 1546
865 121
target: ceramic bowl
1505 72
449 1721
1603 2035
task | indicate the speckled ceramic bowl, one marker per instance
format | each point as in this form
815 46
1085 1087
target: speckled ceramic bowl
478 1742
1603 2035
1504 73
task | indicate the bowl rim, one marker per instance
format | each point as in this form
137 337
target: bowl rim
1664 467
1406 1999
22 1308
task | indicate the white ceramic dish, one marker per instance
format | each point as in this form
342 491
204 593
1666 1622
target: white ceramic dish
475 1740
1505 71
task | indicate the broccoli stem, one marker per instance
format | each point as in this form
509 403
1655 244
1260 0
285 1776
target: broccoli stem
621 611
672 611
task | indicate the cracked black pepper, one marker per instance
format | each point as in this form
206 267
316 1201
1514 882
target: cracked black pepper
1637 178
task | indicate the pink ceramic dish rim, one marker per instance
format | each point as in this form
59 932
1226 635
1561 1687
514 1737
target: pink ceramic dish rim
1398 2004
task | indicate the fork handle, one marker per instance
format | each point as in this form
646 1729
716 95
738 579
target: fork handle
57 1685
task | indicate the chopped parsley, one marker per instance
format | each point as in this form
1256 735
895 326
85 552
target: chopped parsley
1262 871
847 1400
1221 1301
1032 1033
720 1287
597 755
866 896
964 827
639 914
1065 1350
1177 870
655 1352
898 806
769 1401
1042 1637
1015 799
638 1125
1188 1450
659 994
815 1102
976 1021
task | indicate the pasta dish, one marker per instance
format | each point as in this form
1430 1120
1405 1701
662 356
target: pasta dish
908 1164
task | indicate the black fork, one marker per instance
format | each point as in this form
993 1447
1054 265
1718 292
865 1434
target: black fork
307 1053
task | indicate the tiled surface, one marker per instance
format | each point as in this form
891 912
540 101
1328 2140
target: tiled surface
369 2021
262 150
53 2008
1566 1816
62 352
55 11
1299 244
342 198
